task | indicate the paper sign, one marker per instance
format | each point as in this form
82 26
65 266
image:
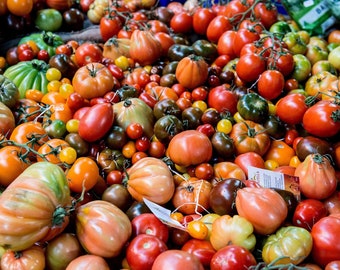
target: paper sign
271 179
163 214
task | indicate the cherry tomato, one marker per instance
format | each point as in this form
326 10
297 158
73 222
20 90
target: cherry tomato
88 53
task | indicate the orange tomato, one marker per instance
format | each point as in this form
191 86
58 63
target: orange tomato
20 7
34 94
61 111
280 152
334 36
162 92
53 98
11 164
83 174
227 169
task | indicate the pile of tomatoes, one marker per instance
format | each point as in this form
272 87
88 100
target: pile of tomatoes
133 153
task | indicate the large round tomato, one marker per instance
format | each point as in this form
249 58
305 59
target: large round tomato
181 22
291 108
326 247
93 80
249 67
222 99
322 119
175 259
88 53
270 84
232 257
143 250
201 19
190 147
87 261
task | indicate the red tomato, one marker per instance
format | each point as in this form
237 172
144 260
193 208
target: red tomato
334 265
308 212
244 36
201 19
326 244
267 13
134 130
88 53
234 9
181 22
217 27
143 250
148 223
202 249
175 259
319 119
249 67
283 62
232 257
270 84
249 159
225 44
109 26
222 99
291 108
96 122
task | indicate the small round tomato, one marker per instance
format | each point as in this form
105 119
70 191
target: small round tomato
134 131
249 159
181 22
291 108
197 229
249 67
270 84
83 174
201 19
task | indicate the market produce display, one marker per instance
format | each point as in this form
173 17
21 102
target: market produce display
185 135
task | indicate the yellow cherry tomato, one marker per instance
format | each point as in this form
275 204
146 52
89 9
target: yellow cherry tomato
224 125
200 104
2 62
72 125
238 118
68 155
270 164
53 74
53 86
122 62
66 90
294 161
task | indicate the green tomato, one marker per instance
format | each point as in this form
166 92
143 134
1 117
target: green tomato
9 93
302 67
48 20
28 75
334 57
253 107
295 43
289 245
56 129
281 28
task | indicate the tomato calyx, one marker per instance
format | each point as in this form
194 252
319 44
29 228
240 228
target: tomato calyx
50 39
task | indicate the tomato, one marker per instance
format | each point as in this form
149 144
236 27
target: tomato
109 26
291 108
317 178
83 174
9 92
46 202
222 99
249 67
271 84
166 41
204 171
177 259
225 44
244 36
228 169
143 250
288 245
280 152
92 80
181 145
62 250
7 123
87 261
192 196
32 257
249 159
50 150
255 204
248 137
107 228
181 22
150 178
308 212
20 8
202 249
216 27
96 122
88 53
266 13
201 19
325 247
321 119
333 265
148 223
235 230
302 67
232 257
253 107
48 19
